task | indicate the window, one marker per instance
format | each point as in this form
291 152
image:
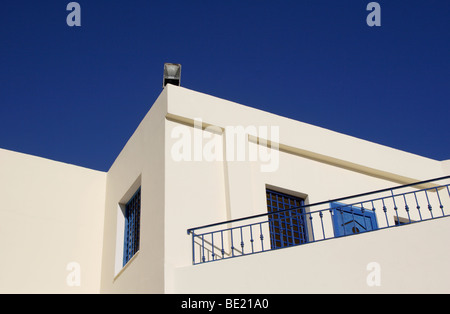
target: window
287 228
132 226
400 221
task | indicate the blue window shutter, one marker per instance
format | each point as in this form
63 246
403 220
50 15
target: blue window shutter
349 220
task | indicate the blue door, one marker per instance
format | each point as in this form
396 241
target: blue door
349 220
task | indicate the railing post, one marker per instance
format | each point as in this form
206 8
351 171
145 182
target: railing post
332 221
261 236
232 245
312 228
363 211
341 211
430 208
242 242
293 227
395 206
355 228
321 222
193 248
223 250
418 206
212 245
385 212
203 248
440 203
251 238
407 207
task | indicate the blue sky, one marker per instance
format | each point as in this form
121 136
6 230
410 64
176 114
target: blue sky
76 94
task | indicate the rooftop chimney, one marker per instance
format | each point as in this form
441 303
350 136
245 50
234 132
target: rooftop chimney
172 74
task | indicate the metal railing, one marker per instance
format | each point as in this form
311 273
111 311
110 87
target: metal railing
375 210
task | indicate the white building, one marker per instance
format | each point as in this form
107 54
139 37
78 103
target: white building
198 160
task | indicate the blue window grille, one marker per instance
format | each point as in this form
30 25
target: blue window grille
132 226
287 228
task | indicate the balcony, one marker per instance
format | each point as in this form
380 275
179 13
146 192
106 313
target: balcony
347 216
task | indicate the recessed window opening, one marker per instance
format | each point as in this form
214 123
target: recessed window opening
128 226
132 226
399 221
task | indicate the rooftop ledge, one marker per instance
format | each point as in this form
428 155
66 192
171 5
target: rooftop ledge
298 138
